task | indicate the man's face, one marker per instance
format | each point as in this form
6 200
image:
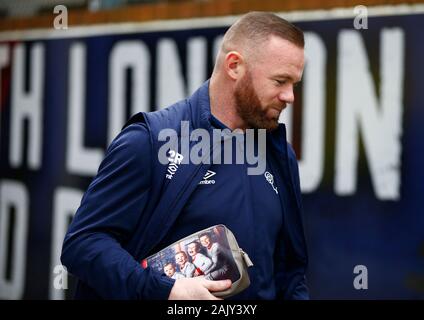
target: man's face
205 241
169 270
181 259
191 249
267 84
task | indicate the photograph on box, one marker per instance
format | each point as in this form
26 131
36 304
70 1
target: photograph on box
205 254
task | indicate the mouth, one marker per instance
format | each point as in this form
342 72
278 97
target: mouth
276 111
279 108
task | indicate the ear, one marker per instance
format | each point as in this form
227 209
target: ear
234 64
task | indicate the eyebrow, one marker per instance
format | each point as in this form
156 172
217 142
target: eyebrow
286 76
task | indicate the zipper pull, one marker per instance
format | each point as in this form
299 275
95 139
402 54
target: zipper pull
246 258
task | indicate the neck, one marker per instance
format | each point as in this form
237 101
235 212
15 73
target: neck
223 105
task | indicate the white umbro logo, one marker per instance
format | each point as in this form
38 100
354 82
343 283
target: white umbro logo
207 176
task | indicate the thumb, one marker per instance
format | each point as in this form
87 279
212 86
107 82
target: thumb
220 285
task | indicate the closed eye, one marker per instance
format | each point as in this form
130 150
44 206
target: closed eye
280 82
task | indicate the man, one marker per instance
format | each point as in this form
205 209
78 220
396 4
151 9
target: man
136 205
223 267
186 267
200 261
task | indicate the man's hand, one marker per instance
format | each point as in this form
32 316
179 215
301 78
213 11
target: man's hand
197 289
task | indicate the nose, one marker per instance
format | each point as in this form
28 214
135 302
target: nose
287 95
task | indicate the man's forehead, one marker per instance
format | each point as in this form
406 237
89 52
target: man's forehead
282 49
274 41
282 58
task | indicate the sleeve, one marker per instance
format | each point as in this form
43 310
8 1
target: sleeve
191 268
107 217
206 263
219 267
291 253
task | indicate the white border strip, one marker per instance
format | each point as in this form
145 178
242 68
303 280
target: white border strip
210 22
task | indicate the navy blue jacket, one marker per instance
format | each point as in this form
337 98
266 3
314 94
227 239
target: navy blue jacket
129 207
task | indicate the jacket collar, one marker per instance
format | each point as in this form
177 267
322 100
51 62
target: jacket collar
200 107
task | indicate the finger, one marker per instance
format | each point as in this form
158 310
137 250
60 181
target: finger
220 285
212 297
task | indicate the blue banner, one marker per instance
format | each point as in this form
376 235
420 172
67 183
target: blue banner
356 126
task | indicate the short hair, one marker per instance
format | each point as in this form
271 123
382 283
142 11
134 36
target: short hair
207 234
183 252
196 243
257 27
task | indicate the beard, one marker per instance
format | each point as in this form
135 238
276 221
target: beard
249 107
